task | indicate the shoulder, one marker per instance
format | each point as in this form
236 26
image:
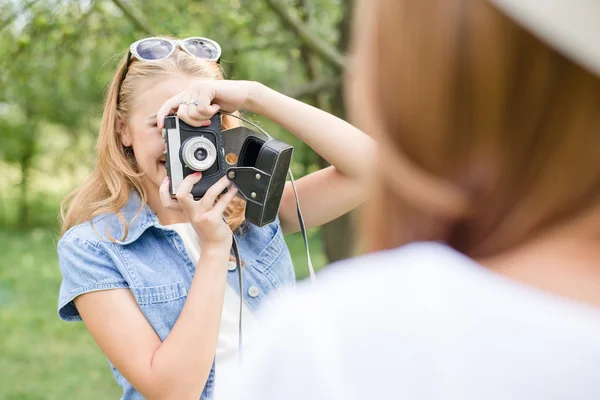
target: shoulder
85 245
401 260
421 287
91 232
407 280
404 268
265 240
267 230
110 227
86 265
133 217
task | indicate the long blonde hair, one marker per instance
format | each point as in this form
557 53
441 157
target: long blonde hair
115 174
488 136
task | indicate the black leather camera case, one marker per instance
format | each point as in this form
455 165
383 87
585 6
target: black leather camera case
260 177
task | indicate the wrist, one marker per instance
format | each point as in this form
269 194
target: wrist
213 258
215 249
255 93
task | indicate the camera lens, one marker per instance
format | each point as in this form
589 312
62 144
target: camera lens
201 154
198 153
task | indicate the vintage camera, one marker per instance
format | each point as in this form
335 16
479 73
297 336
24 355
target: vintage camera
255 163
191 149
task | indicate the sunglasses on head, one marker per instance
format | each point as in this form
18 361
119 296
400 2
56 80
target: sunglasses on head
155 48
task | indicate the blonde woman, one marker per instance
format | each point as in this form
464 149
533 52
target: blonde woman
150 276
483 274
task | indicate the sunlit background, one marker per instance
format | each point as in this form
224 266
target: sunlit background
56 59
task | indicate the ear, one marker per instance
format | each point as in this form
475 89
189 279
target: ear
123 132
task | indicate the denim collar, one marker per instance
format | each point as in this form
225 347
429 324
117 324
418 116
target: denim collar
138 220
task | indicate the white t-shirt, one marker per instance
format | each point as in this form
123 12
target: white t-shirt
227 361
422 322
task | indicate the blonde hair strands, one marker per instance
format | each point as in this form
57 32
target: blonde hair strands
115 173
487 135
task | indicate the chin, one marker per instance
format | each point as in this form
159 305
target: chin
162 170
158 176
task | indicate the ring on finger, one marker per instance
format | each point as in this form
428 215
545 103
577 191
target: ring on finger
183 102
195 103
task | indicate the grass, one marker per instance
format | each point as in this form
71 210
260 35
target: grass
42 357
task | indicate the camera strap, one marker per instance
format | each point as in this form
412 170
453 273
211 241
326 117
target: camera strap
235 244
236 253
311 270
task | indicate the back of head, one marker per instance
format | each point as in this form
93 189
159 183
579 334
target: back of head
488 135
116 174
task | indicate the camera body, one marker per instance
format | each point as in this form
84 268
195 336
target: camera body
255 163
194 149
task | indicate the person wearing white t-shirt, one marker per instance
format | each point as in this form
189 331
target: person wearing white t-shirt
482 273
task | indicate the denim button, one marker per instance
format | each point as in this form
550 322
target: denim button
253 291
232 266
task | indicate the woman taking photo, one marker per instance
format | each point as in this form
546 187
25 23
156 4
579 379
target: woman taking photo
151 276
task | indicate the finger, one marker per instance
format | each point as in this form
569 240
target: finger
193 108
200 115
206 123
184 195
183 113
224 201
167 108
207 111
165 196
206 108
214 191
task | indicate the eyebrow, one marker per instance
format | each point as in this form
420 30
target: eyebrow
153 116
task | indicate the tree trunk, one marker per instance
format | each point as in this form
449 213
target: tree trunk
3 220
25 165
26 155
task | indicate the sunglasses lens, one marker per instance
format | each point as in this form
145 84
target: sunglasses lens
202 49
154 49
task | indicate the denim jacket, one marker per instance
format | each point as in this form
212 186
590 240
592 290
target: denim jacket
153 263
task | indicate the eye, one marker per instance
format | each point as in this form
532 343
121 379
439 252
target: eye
152 121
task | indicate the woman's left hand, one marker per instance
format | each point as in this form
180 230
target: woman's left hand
204 98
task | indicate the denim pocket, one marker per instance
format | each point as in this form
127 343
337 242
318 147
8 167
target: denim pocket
159 294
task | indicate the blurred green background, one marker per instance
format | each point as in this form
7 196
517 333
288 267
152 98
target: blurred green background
56 59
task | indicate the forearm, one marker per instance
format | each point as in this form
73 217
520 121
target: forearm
183 361
344 146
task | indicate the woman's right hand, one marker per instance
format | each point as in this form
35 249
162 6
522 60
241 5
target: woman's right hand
206 214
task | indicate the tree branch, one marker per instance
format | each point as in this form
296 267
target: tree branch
138 22
316 44
314 87
261 46
6 23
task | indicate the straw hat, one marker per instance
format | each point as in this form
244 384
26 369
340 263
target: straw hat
572 27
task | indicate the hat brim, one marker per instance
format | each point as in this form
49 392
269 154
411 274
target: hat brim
572 27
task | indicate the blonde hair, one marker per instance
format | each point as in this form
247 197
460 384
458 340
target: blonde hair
115 174
487 135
